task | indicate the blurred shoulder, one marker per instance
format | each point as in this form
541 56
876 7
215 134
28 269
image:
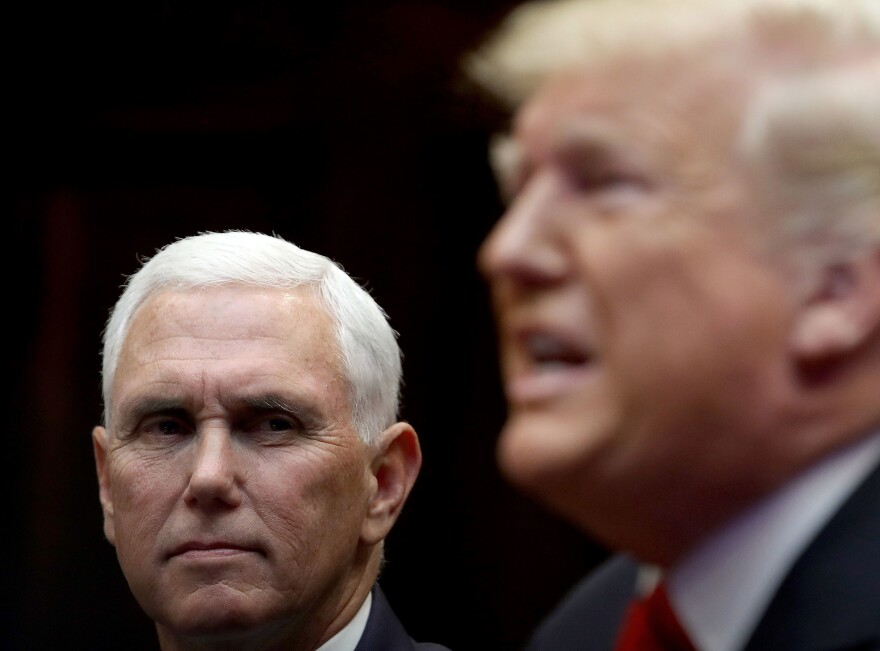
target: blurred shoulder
588 617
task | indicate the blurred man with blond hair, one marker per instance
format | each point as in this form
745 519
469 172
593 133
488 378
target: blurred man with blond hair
687 289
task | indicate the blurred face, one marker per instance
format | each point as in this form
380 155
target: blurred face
642 340
234 485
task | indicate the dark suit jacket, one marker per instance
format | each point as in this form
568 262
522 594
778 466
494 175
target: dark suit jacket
829 601
384 632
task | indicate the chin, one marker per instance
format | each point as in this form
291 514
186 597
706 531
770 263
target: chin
541 453
215 622
215 615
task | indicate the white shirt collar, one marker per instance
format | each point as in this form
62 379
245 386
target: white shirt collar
721 589
350 634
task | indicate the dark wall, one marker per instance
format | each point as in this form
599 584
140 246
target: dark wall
343 127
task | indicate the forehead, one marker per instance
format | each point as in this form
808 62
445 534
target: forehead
228 337
231 312
670 106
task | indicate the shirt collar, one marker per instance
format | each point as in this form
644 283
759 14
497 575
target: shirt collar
720 590
350 634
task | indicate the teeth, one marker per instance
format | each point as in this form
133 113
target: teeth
551 352
551 365
544 346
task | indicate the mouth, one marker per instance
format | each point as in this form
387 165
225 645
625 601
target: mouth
550 352
197 549
549 364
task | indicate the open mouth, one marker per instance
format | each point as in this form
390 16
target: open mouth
549 365
549 353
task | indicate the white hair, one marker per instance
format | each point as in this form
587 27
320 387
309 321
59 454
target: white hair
810 130
366 343
811 143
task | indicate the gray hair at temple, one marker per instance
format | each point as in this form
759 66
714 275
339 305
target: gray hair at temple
810 130
367 345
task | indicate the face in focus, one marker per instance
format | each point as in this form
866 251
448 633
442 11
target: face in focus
642 339
234 485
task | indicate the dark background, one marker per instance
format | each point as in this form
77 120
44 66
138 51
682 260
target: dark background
344 127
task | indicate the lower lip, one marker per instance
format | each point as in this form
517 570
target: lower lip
547 384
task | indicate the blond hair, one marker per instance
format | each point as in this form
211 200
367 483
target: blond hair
810 131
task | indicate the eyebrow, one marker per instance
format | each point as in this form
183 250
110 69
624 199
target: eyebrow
276 402
131 412
599 142
137 409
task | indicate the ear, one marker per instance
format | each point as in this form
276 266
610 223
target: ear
842 312
395 466
100 440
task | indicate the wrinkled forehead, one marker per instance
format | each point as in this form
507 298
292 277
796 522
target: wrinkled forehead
231 309
225 320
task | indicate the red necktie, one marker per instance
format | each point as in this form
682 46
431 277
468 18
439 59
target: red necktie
651 625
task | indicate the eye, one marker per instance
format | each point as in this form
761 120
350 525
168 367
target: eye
602 178
610 189
164 426
274 429
278 424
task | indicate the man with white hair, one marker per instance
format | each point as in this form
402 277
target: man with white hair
687 289
251 462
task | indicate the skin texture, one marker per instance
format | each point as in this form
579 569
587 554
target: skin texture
245 510
644 338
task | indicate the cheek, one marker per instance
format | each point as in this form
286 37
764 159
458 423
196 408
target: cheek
308 503
664 294
680 313
144 493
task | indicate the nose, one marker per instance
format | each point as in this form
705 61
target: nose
214 477
525 246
